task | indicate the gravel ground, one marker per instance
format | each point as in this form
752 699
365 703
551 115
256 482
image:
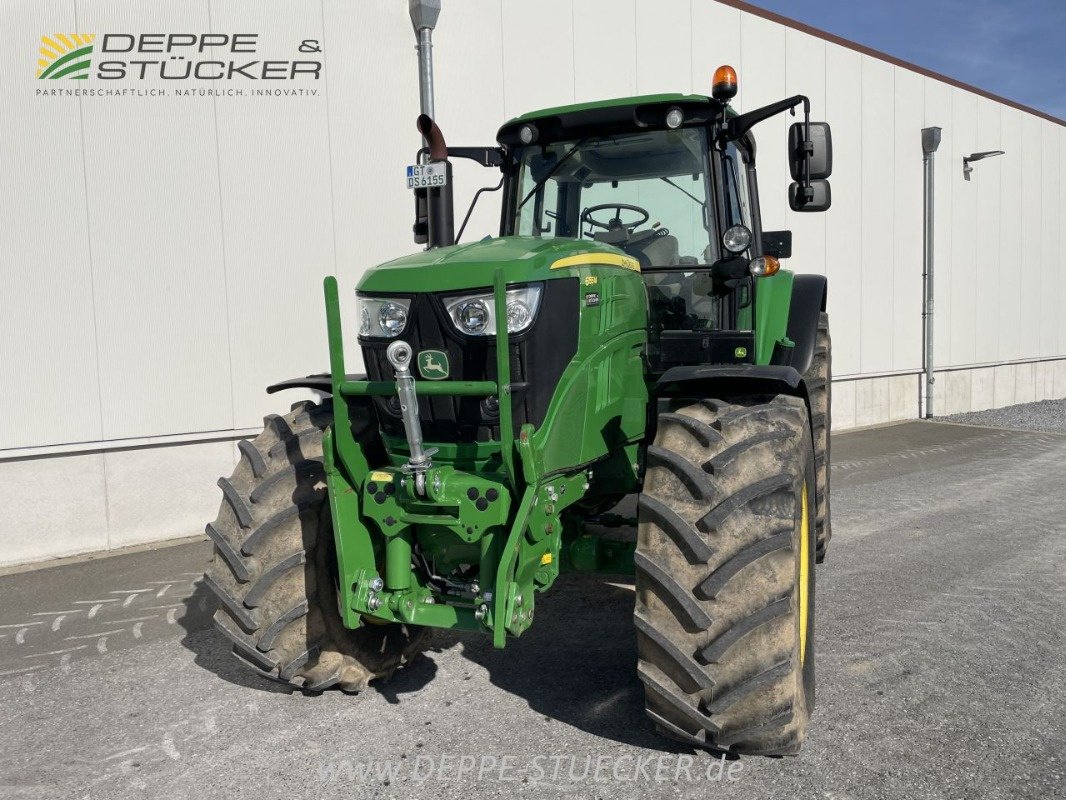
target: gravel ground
1045 415
941 658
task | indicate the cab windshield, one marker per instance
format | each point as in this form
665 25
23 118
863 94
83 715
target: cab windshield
646 193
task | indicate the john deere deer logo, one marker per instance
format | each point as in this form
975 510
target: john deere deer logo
433 365
65 55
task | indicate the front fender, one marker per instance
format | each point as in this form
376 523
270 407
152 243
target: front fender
807 303
320 382
724 380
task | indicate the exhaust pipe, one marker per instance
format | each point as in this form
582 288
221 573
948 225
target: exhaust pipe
440 211
438 150
424 14
434 213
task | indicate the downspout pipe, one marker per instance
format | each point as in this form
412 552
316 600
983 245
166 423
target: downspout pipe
930 143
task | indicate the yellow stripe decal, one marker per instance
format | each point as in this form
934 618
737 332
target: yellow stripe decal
598 259
804 575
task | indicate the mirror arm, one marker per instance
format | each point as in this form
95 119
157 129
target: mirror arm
485 156
808 151
473 203
741 124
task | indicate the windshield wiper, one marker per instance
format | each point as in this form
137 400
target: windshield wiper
683 191
551 173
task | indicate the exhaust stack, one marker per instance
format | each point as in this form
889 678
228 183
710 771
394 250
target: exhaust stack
424 15
439 211
434 213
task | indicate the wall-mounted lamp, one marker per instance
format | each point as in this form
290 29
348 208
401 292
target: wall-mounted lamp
967 169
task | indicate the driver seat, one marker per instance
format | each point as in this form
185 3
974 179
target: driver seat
661 251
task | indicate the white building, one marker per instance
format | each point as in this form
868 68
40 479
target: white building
163 255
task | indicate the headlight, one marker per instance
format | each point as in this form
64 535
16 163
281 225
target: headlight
736 239
475 314
382 316
527 134
472 316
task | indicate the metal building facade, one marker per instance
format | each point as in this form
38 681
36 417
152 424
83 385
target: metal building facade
163 256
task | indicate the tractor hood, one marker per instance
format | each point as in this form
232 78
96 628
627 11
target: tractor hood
472 266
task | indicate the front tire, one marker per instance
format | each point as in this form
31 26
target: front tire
274 567
725 575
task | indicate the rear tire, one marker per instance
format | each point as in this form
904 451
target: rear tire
274 567
819 381
725 575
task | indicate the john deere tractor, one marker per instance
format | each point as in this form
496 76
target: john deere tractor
629 332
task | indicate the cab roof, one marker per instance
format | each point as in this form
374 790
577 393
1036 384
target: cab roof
605 117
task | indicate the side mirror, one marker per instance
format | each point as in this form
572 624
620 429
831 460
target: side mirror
820 150
777 244
820 200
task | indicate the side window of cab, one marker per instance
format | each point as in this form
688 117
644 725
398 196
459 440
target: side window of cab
736 188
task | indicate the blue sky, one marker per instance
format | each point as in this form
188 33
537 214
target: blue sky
1013 48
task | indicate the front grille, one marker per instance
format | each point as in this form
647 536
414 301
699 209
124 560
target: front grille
538 357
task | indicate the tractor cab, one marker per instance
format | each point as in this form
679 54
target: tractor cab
650 193
670 181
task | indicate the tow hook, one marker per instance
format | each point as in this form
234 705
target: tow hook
420 460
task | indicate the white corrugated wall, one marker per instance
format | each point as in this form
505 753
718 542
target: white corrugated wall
162 257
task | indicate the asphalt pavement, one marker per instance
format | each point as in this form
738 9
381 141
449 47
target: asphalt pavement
941 658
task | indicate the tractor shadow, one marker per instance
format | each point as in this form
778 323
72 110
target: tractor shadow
577 663
214 653
210 649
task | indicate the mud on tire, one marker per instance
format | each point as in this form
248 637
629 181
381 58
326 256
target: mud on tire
274 568
721 559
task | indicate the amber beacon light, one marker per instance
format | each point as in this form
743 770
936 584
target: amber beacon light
724 85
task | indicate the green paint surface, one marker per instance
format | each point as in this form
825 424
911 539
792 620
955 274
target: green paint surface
773 297
473 266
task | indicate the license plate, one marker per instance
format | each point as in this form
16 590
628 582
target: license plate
427 176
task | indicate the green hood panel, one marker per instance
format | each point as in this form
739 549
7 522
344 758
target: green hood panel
472 266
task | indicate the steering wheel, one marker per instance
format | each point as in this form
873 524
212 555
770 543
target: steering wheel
616 222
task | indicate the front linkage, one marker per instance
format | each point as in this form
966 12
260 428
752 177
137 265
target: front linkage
518 547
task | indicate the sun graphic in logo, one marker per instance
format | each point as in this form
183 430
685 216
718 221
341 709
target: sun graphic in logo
65 55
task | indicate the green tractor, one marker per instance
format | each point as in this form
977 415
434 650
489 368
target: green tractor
629 332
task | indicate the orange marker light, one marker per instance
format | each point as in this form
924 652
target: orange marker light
764 266
724 85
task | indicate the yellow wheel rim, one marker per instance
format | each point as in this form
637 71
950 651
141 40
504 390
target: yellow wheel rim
804 573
